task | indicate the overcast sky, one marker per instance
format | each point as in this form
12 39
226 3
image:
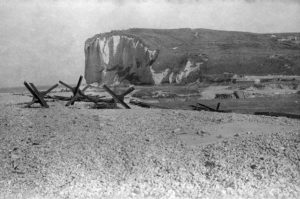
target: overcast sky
42 41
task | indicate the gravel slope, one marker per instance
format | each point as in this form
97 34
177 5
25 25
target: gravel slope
83 153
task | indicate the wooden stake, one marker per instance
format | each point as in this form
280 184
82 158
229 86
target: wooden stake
38 96
117 97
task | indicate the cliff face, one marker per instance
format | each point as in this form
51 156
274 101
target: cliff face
149 56
115 58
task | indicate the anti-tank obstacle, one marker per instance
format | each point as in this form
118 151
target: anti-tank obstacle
119 98
78 94
38 96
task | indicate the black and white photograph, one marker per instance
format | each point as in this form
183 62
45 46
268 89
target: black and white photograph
156 99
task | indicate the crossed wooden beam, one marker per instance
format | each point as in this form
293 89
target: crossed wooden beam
38 96
119 98
77 93
200 107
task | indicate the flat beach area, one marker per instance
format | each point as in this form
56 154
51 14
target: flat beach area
79 152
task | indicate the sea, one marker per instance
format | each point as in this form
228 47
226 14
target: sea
22 89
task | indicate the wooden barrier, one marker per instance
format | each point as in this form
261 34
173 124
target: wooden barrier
119 98
38 96
201 107
77 93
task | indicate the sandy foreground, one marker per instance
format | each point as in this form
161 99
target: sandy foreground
78 152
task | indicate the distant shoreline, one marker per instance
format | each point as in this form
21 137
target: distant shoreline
21 89
18 89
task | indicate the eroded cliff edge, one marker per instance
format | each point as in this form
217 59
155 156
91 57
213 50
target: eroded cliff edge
116 57
156 56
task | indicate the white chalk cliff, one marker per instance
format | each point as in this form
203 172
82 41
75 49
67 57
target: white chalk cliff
113 58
